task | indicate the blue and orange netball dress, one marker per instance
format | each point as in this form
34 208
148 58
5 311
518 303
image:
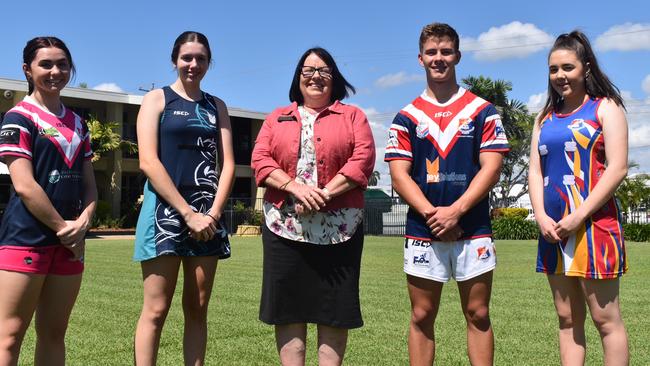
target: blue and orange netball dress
188 140
572 156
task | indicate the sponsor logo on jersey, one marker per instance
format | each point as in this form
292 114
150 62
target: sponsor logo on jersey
465 126
48 132
421 259
576 124
443 114
499 131
433 171
54 176
10 135
181 113
435 176
27 260
420 243
422 130
483 253
212 118
392 139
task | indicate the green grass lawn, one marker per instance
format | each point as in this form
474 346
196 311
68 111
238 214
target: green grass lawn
103 321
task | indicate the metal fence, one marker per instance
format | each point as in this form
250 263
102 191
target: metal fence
381 216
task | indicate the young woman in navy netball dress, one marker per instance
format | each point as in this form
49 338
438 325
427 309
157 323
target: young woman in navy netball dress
185 149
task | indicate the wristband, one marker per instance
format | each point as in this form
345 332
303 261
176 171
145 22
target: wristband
212 217
282 187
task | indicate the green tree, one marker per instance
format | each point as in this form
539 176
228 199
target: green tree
105 138
518 123
374 179
633 193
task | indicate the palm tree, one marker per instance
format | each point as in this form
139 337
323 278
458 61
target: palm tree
374 178
104 138
518 123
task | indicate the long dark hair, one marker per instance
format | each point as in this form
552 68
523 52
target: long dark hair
190 36
597 84
341 88
35 44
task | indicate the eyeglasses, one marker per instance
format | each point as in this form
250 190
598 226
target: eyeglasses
309 71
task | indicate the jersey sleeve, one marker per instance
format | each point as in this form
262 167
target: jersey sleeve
399 139
493 136
16 136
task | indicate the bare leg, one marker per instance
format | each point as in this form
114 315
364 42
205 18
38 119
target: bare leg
571 311
331 345
425 301
198 276
602 299
159 275
20 293
58 295
290 340
475 302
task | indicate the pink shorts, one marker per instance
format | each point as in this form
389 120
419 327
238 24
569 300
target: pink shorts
55 259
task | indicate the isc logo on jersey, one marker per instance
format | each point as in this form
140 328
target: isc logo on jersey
444 114
181 113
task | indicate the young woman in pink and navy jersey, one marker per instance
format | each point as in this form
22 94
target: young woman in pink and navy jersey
47 149
578 158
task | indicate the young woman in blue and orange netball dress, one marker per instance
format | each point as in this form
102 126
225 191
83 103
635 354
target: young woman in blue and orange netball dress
185 148
578 158
47 149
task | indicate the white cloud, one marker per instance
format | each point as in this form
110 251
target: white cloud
645 84
625 37
513 40
392 80
536 102
639 130
111 87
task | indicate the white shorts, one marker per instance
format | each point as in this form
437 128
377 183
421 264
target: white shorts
441 261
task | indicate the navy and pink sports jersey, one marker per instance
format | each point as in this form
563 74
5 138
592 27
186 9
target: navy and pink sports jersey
443 142
572 158
57 147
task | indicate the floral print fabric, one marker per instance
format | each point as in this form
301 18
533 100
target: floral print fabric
330 227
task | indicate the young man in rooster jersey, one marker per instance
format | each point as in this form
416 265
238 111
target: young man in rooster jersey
445 154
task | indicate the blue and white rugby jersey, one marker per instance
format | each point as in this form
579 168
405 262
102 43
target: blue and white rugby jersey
443 142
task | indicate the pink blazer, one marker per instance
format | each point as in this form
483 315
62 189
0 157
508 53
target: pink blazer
344 145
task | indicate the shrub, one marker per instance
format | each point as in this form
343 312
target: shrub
103 210
514 228
636 232
248 215
510 212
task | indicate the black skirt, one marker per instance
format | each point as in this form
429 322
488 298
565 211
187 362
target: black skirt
311 283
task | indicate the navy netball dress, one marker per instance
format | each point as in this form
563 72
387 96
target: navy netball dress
188 137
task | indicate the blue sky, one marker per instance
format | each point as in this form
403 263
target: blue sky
126 45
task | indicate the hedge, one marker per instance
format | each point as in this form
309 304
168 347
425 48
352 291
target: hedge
510 212
514 228
636 232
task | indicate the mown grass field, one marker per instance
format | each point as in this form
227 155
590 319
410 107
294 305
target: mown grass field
103 321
